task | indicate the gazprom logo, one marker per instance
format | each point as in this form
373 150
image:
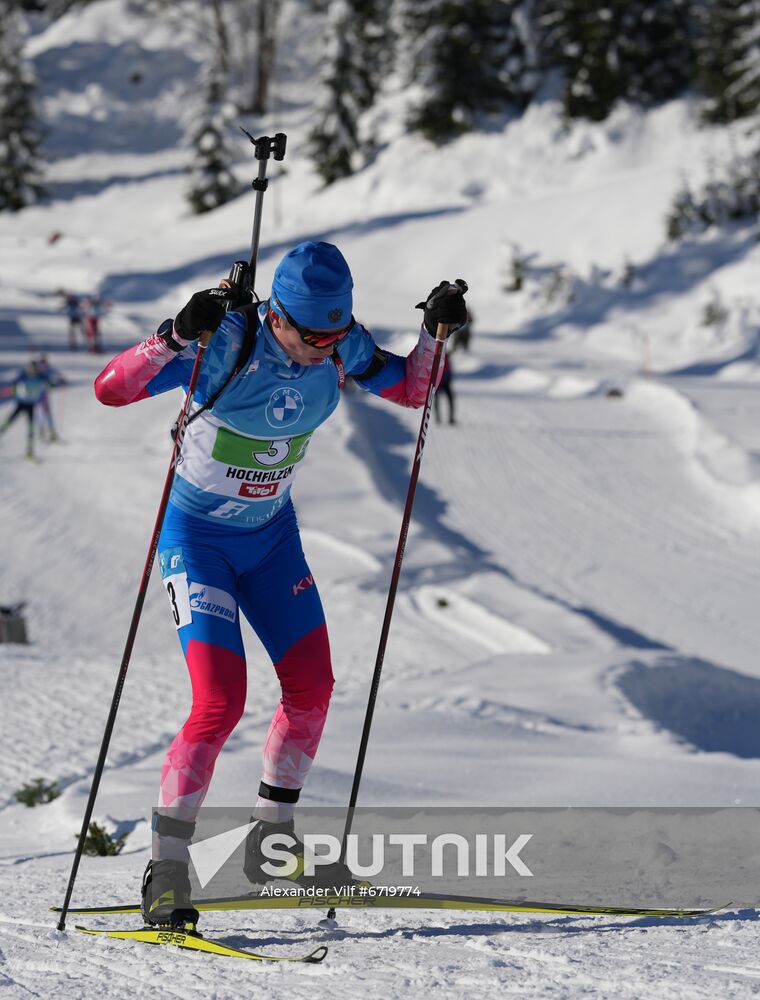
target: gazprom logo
284 408
212 601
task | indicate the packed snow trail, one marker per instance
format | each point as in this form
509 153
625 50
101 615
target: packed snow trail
577 615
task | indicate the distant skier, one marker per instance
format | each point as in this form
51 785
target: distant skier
53 380
73 307
27 389
464 334
230 542
445 388
94 307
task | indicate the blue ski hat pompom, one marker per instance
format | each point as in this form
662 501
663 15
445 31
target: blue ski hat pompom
313 282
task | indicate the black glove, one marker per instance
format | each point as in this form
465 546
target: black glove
445 304
204 311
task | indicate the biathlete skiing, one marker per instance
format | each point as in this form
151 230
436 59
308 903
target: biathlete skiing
29 390
230 544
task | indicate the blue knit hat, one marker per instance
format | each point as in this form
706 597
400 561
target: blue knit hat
313 282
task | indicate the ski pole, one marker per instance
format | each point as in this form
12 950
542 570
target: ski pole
203 341
241 279
440 338
264 147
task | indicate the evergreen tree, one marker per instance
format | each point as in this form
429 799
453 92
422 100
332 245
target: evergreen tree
212 184
20 133
729 196
579 38
251 30
658 53
639 50
266 47
747 86
357 52
467 57
729 59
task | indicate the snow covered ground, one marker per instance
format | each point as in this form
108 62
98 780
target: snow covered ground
577 620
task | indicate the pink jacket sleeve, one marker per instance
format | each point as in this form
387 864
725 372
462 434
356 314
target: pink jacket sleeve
411 389
125 378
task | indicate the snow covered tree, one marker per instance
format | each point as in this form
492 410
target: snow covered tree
240 35
52 8
640 50
730 195
251 30
212 184
357 50
20 132
747 86
684 216
657 49
729 59
579 38
466 57
266 46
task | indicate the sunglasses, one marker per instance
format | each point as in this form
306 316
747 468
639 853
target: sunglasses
314 338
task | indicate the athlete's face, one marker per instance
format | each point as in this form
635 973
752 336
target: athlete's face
290 341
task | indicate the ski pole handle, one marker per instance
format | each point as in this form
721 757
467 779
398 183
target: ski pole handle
240 282
458 287
264 147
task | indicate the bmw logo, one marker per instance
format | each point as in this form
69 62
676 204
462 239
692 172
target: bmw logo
284 408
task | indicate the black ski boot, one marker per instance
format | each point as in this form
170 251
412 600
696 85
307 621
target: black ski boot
330 876
166 894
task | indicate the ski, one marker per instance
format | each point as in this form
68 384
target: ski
194 941
424 901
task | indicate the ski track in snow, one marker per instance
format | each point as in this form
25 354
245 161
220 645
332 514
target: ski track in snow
447 609
339 548
460 955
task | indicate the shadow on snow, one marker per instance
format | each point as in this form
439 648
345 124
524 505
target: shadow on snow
383 443
675 271
712 708
117 119
144 285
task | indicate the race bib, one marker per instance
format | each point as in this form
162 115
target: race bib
174 577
